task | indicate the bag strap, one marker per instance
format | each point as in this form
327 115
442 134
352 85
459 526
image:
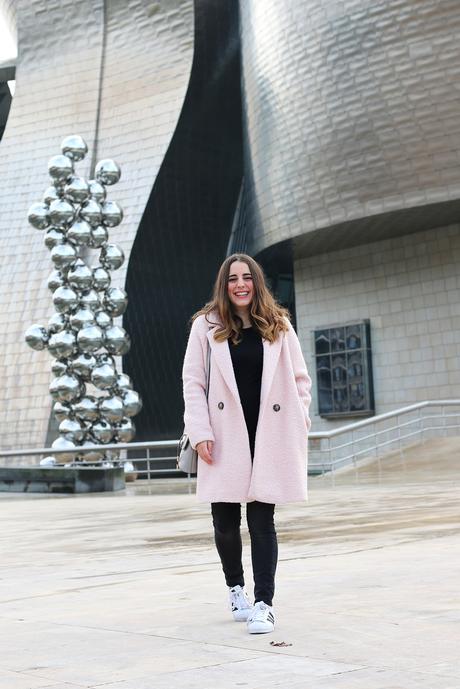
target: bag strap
208 369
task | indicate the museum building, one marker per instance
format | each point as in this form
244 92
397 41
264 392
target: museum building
320 136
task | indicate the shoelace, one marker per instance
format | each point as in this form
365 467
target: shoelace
240 600
260 612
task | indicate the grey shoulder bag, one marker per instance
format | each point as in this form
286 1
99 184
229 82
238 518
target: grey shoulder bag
187 457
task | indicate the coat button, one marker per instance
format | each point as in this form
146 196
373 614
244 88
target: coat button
276 407
221 405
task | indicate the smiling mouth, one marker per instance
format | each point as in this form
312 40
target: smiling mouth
241 294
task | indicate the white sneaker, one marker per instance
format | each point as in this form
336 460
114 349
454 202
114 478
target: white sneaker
239 603
262 619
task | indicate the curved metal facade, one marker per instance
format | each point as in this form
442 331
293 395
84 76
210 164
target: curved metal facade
184 232
351 116
117 74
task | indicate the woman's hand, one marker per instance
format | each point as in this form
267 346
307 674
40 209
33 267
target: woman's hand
204 450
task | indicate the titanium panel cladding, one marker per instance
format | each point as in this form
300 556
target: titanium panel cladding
351 111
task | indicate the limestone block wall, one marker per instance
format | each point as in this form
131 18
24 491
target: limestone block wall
116 73
351 111
409 288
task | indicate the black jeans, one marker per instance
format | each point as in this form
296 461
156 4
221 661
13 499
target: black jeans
226 518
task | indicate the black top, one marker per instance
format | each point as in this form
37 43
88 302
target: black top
247 359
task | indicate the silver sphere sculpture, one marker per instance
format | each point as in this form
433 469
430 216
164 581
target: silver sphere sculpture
93 402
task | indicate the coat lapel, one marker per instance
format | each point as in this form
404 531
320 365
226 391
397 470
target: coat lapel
271 356
220 354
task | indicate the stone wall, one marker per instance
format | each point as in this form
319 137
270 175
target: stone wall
409 288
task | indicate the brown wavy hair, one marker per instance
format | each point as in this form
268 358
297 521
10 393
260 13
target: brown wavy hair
266 315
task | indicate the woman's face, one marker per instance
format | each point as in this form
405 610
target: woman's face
240 287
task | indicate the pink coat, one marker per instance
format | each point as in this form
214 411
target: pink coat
279 471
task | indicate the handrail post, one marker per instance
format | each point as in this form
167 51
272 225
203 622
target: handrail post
353 453
377 452
148 465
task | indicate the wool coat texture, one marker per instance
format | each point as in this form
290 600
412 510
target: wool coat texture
278 472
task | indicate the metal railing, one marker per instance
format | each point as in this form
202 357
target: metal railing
328 450
144 464
381 434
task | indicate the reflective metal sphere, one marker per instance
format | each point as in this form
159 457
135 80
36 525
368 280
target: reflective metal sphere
97 190
111 409
112 455
80 276
91 455
117 340
103 320
112 214
55 280
75 213
101 279
132 403
77 190
59 367
57 323
64 444
61 411
91 212
51 194
125 431
63 255
53 389
62 213
115 301
53 237
82 365
99 236
60 168
62 344
79 233
82 318
104 358
108 172
65 299
37 337
90 339
59 185
124 382
72 430
66 388
48 461
103 376
86 409
74 147
112 257
91 300
102 431
39 216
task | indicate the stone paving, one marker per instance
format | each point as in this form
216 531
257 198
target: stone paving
124 591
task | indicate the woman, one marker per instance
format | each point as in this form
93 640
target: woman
251 432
